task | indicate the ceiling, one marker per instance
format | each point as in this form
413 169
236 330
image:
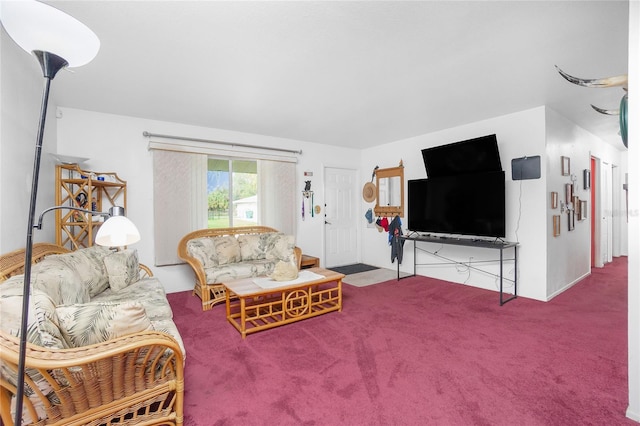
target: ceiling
354 74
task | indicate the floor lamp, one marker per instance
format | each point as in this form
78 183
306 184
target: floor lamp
58 41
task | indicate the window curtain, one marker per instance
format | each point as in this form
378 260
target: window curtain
277 195
179 200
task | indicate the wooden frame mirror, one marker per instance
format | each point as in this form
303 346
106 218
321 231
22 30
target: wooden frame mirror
390 192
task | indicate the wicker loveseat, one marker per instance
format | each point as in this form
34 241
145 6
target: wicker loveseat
217 254
82 365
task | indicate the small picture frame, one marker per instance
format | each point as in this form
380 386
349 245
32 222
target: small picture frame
568 193
572 220
556 225
583 208
554 200
586 175
566 165
577 206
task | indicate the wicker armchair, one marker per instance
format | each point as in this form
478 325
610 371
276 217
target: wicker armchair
213 293
131 380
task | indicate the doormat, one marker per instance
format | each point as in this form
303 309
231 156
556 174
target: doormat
353 269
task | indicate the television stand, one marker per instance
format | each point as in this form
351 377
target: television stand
501 246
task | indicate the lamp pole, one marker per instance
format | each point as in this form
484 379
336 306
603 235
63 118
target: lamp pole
50 64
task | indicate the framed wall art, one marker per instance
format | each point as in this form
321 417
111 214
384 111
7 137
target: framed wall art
556 225
586 175
583 209
554 200
568 193
566 165
572 220
577 207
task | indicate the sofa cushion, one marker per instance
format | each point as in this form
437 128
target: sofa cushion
47 321
148 291
88 264
234 271
281 248
227 249
203 250
89 323
122 268
251 247
42 322
62 283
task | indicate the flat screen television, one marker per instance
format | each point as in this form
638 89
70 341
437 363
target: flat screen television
463 204
478 155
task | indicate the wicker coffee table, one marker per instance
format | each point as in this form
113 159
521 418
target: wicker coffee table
255 304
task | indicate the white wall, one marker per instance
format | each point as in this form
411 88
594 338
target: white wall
20 99
547 265
519 134
115 144
569 254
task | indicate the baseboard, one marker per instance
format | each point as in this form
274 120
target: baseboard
633 415
568 286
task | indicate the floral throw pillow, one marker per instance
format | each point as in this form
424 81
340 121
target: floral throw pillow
204 250
227 249
281 248
94 322
123 268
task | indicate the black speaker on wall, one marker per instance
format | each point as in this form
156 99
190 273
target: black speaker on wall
525 168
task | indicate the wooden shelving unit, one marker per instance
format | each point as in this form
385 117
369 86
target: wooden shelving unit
90 190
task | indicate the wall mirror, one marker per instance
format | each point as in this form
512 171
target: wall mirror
390 188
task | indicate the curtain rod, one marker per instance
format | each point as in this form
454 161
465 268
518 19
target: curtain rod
182 138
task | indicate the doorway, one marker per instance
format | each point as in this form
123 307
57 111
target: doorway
340 217
603 178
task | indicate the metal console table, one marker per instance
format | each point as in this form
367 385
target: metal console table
496 245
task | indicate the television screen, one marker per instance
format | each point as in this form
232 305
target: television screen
479 155
463 204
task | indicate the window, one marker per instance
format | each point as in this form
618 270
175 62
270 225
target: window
236 177
192 187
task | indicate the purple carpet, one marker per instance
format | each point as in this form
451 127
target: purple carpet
417 351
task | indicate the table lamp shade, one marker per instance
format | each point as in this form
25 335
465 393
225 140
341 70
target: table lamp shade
35 26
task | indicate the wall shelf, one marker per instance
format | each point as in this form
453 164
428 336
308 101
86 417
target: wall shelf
90 190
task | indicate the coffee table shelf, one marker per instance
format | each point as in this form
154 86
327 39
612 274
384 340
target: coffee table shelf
251 308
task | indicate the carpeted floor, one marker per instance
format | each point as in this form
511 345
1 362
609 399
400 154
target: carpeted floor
417 351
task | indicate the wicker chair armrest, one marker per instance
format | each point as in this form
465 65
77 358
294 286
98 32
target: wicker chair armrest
145 271
136 376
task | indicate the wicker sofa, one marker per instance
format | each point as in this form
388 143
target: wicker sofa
112 357
217 254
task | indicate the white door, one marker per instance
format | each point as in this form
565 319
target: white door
340 217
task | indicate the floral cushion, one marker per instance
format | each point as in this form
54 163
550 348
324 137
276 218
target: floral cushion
281 248
227 249
148 291
251 247
95 322
204 250
239 270
122 268
47 321
63 284
88 264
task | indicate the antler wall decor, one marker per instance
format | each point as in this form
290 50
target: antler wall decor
617 81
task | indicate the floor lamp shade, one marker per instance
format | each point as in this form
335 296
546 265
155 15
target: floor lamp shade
35 26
